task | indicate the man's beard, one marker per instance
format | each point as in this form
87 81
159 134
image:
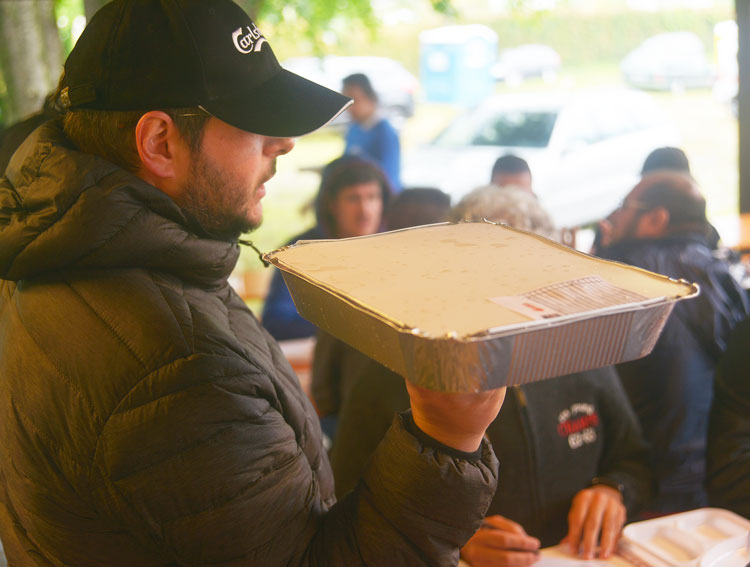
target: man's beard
216 200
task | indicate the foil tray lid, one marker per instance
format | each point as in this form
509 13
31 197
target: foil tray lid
473 281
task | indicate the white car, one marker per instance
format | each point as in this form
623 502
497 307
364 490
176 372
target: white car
672 61
514 64
585 149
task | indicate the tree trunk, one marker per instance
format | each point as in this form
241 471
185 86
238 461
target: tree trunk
52 52
30 55
90 7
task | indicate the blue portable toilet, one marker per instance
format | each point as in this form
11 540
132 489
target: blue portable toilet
455 63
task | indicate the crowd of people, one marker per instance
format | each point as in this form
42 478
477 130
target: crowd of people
147 417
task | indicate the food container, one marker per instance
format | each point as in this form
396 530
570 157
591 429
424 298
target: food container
707 537
473 306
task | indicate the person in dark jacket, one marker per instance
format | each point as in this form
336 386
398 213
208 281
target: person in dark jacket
350 202
336 366
728 453
661 226
570 446
557 440
146 418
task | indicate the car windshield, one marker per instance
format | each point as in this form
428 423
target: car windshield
515 128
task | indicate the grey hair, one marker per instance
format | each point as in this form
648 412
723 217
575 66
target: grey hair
514 206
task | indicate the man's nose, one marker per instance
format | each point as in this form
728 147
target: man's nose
279 146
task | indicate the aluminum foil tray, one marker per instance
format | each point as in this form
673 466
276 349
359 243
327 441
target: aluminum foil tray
472 306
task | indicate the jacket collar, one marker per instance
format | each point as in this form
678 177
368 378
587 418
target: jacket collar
62 209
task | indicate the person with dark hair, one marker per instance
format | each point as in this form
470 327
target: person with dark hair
661 226
416 207
511 170
370 135
146 417
728 455
336 366
350 202
669 158
569 447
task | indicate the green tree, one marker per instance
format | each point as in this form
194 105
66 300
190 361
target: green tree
31 56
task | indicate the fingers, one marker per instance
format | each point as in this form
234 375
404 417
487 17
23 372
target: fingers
505 524
614 519
499 539
592 525
488 549
576 518
595 511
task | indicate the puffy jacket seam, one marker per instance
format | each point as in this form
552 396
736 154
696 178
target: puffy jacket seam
169 306
107 324
62 374
183 449
244 489
141 209
117 405
60 454
166 395
61 217
122 399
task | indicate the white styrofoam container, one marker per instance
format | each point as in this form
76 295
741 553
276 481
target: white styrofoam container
698 538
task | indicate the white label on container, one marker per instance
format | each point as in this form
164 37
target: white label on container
568 298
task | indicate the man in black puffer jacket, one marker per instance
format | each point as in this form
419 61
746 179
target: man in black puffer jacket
146 418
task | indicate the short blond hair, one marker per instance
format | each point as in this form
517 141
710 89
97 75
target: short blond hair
514 206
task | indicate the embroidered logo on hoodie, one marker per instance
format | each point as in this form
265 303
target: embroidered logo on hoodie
578 424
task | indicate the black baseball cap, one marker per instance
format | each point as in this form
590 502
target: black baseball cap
154 54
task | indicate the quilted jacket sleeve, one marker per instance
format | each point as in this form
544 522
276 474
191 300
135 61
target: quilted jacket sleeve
201 464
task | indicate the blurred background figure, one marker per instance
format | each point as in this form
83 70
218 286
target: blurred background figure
511 170
14 135
350 202
370 135
728 455
336 366
661 226
669 158
568 446
511 205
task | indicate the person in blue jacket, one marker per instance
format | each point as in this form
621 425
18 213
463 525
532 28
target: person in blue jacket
370 135
353 193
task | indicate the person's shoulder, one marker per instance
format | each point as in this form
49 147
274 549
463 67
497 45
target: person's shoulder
386 127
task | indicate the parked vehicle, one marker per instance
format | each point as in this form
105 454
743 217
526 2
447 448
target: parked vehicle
669 61
514 64
585 149
393 83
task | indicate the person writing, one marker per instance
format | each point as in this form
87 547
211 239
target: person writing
573 458
147 418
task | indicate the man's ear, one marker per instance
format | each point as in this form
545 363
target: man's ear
653 223
163 152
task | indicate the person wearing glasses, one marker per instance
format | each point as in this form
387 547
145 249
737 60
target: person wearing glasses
661 226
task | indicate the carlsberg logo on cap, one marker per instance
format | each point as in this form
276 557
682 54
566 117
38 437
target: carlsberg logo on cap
248 41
